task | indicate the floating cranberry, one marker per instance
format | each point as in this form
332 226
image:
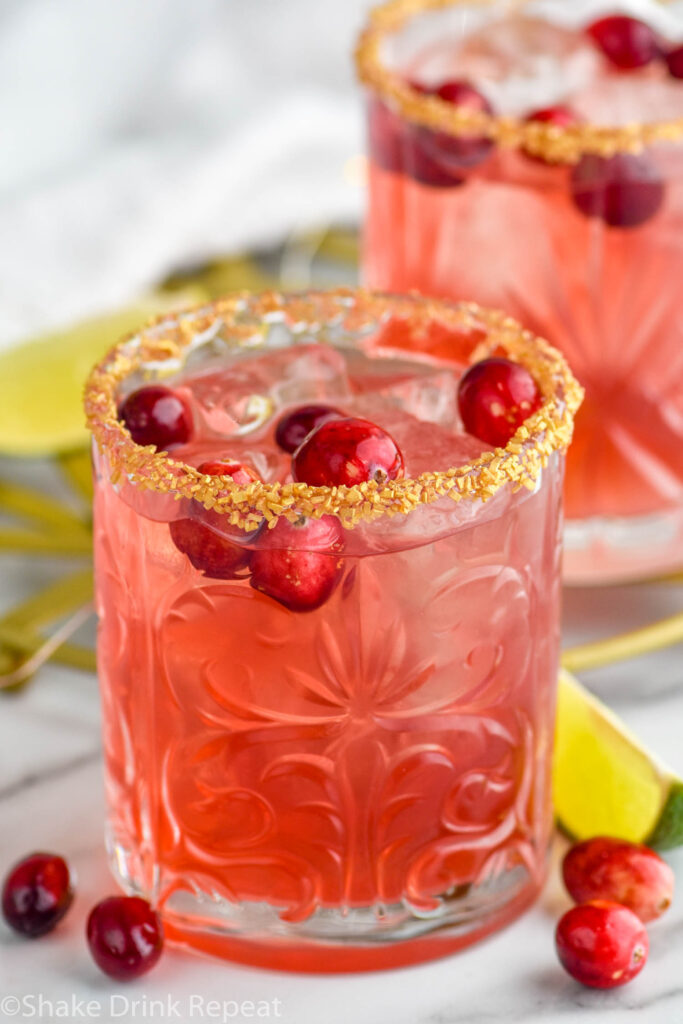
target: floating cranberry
348 451
156 415
601 944
209 549
613 869
422 166
495 396
467 150
208 552
626 42
241 475
125 936
674 61
298 563
295 426
560 116
36 894
439 158
624 190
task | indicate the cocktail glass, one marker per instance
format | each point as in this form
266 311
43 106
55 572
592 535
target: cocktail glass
511 162
364 783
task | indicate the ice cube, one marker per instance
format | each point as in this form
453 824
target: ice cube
619 99
422 388
426 447
246 392
523 63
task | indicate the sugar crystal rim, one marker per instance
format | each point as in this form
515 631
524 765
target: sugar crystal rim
553 143
164 340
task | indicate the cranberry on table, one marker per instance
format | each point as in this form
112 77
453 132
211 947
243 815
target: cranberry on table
624 190
294 427
125 936
298 564
628 43
495 396
626 873
209 551
601 944
36 894
156 415
349 451
674 61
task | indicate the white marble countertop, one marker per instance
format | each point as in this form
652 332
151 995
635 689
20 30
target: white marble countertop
51 797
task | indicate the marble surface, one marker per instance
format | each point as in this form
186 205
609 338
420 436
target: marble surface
51 797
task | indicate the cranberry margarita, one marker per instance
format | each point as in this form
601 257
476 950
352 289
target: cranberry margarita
537 166
328 637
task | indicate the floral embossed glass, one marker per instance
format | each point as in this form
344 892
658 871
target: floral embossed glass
366 783
510 162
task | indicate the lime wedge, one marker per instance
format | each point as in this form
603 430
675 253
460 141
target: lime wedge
41 380
605 781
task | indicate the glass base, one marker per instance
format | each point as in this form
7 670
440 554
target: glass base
622 550
331 940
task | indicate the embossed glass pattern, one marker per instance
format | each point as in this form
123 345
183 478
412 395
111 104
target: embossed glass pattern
361 785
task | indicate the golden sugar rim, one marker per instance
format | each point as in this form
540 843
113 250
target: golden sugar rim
241 318
553 143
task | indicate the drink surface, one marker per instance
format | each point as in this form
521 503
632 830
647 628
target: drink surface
523 234
365 771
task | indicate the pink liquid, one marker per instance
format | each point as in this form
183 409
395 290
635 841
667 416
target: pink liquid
363 785
511 236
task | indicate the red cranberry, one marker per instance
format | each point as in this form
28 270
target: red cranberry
624 190
156 415
465 151
240 474
601 944
295 426
674 61
439 158
612 869
36 894
558 116
495 396
211 552
626 42
298 563
125 936
348 451
422 166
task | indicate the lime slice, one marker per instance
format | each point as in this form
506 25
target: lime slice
41 380
605 781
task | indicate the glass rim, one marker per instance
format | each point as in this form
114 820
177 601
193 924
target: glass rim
163 341
553 143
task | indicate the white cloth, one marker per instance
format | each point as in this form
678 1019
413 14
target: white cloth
137 135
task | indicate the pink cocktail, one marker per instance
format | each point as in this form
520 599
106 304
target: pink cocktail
327 750
520 162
